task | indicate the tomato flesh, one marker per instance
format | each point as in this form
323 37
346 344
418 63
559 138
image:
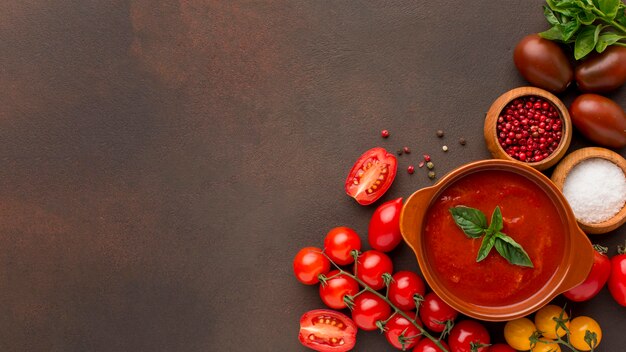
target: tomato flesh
371 176
327 331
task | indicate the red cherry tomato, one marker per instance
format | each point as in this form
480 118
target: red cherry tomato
434 312
399 325
327 331
427 345
596 279
500 347
333 291
370 267
371 176
308 264
404 287
368 309
617 280
339 242
466 333
384 230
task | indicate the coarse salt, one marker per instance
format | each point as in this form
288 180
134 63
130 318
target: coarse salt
595 189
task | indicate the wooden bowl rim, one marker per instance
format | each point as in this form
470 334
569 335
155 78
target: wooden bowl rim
576 157
490 130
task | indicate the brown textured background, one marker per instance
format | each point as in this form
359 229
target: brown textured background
162 162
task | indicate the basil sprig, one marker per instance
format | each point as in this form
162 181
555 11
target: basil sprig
474 224
587 24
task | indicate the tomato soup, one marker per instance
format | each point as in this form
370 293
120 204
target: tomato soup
530 218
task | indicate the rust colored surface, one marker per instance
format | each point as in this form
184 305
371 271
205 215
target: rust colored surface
163 161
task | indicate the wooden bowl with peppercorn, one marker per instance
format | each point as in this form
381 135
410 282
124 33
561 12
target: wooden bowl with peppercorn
528 125
593 181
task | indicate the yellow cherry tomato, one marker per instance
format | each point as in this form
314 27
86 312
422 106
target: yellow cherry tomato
546 345
517 333
544 320
578 328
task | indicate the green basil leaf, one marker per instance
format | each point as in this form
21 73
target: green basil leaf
554 33
586 41
586 17
606 39
496 221
550 16
511 250
608 7
621 15
472 221
567 7
570 29
485 246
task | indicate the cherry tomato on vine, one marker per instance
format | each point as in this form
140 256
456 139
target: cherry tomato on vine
404 287
517 333
596 279
545 345
384 229
368 309
308 264
333 291
544 321
468 333
434 312
578 328
501 347
339 242
327 331
399 325
371 176
370 267
617 280
427 345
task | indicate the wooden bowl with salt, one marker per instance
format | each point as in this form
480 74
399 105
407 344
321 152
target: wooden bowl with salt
563 169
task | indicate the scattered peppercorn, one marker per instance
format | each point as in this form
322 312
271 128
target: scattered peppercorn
421 164
440 133
430 165
431 175
407 150
410 169
384 133
445 148
426 157
399 151
462 141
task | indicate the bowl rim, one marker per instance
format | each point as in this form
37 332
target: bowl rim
572 270
576 157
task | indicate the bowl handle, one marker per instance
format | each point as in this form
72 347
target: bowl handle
581 259
412 214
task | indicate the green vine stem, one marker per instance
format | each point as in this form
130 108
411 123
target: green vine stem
590 337
366 287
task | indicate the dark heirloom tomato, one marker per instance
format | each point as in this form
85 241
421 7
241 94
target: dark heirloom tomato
600 119
603 72
333 291
617 280
370 267
308 264
427 345
339 242
371 176
404 287
327 331
368 309
384 230
435 313
399 325
466 333
596 279
543 63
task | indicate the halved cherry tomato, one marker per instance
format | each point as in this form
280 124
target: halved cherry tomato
327 331
468 333
578 328
308 264
544 321
435 313
404 287
334 290
368 309
617 280
339 242
501 347
427 345
371 176
384 230
596 279
370 267
517 333
399 325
